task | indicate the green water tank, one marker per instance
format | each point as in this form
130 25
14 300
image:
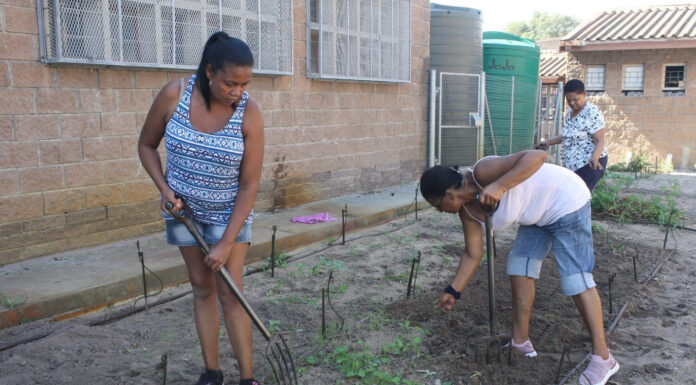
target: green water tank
511 64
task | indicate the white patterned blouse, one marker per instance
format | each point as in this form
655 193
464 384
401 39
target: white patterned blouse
577 134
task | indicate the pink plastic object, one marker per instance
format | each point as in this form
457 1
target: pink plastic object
316 218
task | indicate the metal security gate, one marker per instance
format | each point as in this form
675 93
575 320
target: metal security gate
550 116
459 129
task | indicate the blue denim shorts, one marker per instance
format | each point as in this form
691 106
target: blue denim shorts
571 240
178 234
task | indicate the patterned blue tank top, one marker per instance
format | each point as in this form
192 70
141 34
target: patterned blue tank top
204 168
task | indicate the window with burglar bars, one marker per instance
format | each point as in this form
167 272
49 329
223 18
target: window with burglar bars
359 39
674 80
163 33
594 79
633 80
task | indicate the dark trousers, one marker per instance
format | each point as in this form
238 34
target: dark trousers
590 175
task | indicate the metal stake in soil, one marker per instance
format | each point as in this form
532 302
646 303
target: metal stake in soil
273 251
635 272
416 199
411 288
164 369
142 267
344 216
611 281
323 314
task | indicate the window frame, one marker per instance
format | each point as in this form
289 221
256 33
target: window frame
587 76
51 42
630 91
664 75
315 29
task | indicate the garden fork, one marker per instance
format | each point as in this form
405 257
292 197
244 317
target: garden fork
494 342
277 351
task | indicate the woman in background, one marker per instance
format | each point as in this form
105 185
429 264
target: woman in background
582 136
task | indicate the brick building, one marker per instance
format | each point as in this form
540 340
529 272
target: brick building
638 66
73 99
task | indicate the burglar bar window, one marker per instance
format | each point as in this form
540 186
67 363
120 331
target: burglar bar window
359 39
674 80
163 33
594 79
633 80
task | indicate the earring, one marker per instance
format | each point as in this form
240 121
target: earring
210 83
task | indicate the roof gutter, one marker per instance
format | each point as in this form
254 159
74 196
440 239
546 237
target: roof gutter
582 45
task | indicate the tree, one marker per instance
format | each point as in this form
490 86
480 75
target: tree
543 25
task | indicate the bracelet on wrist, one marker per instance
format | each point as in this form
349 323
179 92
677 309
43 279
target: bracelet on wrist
450 290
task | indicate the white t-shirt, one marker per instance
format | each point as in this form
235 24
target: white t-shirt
577 131
549 194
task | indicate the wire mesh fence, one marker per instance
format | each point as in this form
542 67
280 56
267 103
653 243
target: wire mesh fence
163 33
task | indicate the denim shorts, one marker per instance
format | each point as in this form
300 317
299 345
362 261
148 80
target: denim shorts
571 240
178 234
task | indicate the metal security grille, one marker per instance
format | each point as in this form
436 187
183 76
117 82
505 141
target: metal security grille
163 33
359 39
460 110
550 115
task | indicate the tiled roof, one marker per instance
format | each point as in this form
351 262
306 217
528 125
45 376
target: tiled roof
553 65
669 22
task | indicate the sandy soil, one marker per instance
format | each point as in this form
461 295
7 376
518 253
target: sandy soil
376 331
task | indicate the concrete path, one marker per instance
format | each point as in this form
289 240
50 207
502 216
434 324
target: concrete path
70 283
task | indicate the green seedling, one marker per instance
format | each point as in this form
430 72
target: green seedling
598 229
356 252
339 289
273 326
331 240
392 276
299 272
11 303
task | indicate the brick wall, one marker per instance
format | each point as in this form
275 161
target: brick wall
658 125
70 176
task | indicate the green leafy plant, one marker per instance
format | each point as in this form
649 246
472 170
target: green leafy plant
598 229
11 303
273 326
608 201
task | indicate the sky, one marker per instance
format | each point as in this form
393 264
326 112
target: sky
497 14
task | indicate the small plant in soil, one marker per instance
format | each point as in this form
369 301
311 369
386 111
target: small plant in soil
598 229
608 201
10 303
273 326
